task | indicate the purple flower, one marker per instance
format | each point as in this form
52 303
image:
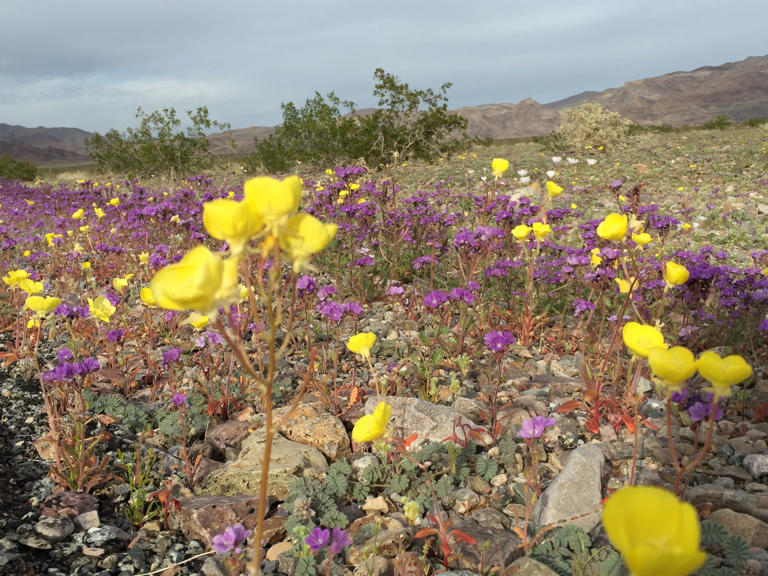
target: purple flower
534 427
339 541
306 285
115 335
326 291
498 340
698 412
179 400
64 355
580 306
435 299
89 365
394 290
318 539
331 310
231 538
616 184
171 355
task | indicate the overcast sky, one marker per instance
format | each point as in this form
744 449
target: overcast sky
91 63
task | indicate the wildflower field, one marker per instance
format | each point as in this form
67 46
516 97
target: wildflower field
533 303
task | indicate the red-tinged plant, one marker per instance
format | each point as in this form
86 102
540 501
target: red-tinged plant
446 536
165 497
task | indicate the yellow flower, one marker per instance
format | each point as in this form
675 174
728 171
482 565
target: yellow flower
303 236
673 366
362 343
30 286
121 283
623 285
13 277
499 166
521 232
42 305
78 214
29 202
50 236
99 212
84 228
114 202
613 228
232 221
85 265
685 226
640 338
143 257
657 534
541 230
101 308
197 321
553 189
146 296
372 426
675 274
723 373
595 257
642 239
191 283
273 200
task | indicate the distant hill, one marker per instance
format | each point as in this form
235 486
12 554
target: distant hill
738 90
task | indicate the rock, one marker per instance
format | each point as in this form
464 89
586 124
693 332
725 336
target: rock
274 551
104 533
311 425
756 464
465 500
527 566
35 541
499 480
202 517
226 437
503 546
214 566
762 208
87 520
374 534
717 497
55 528
430 422
92 552
288 460
376 505
360 462
204 469
373 566
752 530
574 496
491 518
68 503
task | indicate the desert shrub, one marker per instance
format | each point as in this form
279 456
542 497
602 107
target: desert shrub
719 122
16 169
158 145
591 125
411 123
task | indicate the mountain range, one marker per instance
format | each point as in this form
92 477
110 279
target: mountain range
738 90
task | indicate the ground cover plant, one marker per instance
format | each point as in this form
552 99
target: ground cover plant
149 316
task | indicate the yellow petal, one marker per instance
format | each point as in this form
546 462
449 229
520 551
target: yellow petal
499 166
640 338
372 426
613 227
274 200
191 283
232 221
723 373
362 343
674 365
675 274
305 235
553 189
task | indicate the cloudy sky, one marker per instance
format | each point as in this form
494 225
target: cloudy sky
91 63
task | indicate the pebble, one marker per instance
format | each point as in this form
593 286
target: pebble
55 528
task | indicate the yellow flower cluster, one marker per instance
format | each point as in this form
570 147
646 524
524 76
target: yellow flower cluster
203 280
673 366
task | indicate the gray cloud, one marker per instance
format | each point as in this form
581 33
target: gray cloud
90 64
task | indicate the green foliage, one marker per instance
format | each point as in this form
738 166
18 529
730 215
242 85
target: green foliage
568 550
719 122
138 470
591 125
310 497
409 123
158 145
16 169
486 466
130 416
733 550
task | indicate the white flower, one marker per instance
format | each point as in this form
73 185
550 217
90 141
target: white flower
483 178
556 159
525 180
572 160
591 161
522 172
550 174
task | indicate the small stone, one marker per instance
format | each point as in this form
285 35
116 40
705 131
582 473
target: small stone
87 520
464 500
35 541
55 528
376 505
274 552
530 567
756 464
752 530
499 480
93 552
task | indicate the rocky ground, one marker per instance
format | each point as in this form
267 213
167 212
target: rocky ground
47 532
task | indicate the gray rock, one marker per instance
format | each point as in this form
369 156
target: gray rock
104 533
503 546
574 496
752 530
756 464
55 528
530 567
87 520
709 494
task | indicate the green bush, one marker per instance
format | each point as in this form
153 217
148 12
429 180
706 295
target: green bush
591 125
157 146
17 169
409 123
719 122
